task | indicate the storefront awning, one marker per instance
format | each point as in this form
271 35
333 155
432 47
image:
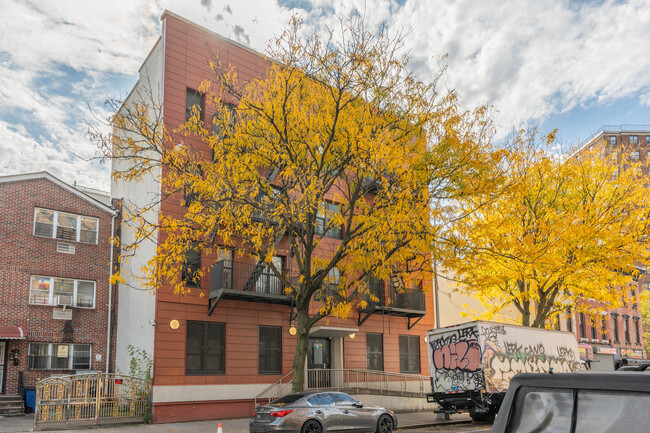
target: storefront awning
12 333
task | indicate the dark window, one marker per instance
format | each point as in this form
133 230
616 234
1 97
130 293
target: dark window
324 217
224 119
374 351
594 333
193 99
205 350
569 320
270 350
633 298
343 399
192 267
626 329
637 331
583 332
409 354
647 139
604 326
615 323
288 399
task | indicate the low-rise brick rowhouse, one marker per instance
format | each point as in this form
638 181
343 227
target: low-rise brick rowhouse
616 335
54 279
212 363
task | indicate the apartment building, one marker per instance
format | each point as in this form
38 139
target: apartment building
54 280
227 341
617 333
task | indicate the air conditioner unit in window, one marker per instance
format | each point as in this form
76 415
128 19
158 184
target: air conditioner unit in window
63 301
65 248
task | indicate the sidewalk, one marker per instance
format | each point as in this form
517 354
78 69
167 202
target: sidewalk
26 424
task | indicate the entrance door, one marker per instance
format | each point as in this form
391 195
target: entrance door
319 363
2 365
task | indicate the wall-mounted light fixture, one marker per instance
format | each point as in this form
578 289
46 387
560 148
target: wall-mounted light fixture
292 330
174 324
352 335
15 356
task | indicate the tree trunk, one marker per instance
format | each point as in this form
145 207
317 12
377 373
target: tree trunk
301 351
525 318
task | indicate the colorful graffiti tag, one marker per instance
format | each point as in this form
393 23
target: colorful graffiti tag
485 355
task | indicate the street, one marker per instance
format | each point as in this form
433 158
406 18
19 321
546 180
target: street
456 428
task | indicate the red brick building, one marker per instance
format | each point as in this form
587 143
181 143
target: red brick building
618 333
54 273
212 363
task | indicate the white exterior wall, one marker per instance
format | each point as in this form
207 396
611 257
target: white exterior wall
136 304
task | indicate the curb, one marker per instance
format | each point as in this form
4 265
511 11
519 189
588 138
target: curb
433 424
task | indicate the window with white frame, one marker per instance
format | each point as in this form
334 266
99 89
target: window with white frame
634 155
65 226
59 356
62 291
634 139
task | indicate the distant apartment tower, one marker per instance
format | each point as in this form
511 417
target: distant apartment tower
213 354
54 280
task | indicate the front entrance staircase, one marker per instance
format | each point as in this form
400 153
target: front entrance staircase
352 381
11 405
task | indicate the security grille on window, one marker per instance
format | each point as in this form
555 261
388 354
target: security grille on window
194 99
205 350
58 291
323 218
59 356
65 226
270 350
375 352
409 354
192 266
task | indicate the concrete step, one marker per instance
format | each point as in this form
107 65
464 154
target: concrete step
9 397
11 405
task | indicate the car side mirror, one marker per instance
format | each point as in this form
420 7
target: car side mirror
358 404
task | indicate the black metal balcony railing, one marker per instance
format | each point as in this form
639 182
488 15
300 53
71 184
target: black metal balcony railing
392 297
229 275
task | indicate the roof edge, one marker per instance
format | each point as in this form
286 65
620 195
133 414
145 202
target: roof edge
48 176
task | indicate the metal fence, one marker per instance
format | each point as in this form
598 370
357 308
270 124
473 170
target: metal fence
91 399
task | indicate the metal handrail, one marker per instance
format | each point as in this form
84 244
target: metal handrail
275 395
374 381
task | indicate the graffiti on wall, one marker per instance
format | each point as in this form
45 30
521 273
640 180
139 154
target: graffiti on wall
489 355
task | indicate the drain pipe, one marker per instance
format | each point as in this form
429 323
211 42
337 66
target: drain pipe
110 296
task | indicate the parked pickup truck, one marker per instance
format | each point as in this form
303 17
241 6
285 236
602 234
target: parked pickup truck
471 364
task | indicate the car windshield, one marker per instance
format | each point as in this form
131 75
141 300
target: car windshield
287 399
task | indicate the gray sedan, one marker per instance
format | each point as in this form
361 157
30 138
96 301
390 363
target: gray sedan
321 412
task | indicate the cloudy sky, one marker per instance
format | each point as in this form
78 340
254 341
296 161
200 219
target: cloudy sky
572 65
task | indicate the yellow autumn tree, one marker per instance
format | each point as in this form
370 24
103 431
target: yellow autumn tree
561 229
336 140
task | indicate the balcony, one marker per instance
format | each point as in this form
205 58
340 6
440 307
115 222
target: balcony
392 300
245 282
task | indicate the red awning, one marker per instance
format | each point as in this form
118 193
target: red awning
12 333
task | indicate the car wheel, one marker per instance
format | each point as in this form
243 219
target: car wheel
311 426
385 424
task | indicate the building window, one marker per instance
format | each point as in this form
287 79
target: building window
65 226
61 291
194 99
270 350
604 327
569 320
615 324
58 356
637 331
633 298
205 349
583 332
375 352
229 112
626 329
634 155
324 217
646 286
611 140
192 267
634 139
594 333
409 354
